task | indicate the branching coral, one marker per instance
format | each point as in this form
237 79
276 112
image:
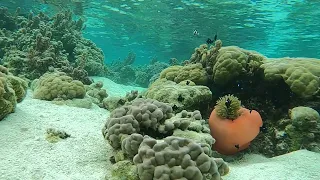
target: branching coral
43 44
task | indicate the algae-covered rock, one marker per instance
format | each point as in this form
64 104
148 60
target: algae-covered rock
124 170
96 93
54 135
304 129
304 118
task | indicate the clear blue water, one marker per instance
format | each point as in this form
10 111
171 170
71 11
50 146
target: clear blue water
164 29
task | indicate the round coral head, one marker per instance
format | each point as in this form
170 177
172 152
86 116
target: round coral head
235 135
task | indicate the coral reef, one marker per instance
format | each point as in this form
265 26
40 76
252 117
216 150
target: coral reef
128 131
269 86
125 72
40 44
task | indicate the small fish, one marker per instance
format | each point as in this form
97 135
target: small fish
209 41
112 159
188 82
180 98
174 107
250 111
215 37
195 33
263 129
237 146
228 103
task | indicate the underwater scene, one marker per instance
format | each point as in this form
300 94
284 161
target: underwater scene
159 90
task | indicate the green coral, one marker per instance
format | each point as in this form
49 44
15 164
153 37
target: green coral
58 85
231 112
301 74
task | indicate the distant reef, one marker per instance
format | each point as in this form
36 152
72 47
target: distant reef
32 45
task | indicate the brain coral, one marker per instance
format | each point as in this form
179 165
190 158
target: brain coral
233 61
301 74
193 72
58 85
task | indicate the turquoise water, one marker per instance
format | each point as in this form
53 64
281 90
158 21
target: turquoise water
164 29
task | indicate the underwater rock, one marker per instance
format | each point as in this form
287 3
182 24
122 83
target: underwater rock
54 135
124 170
304 130
96 93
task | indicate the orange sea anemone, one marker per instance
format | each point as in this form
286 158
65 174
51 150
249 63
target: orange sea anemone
235 135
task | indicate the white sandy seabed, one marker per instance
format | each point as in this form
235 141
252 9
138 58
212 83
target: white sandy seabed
26 155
